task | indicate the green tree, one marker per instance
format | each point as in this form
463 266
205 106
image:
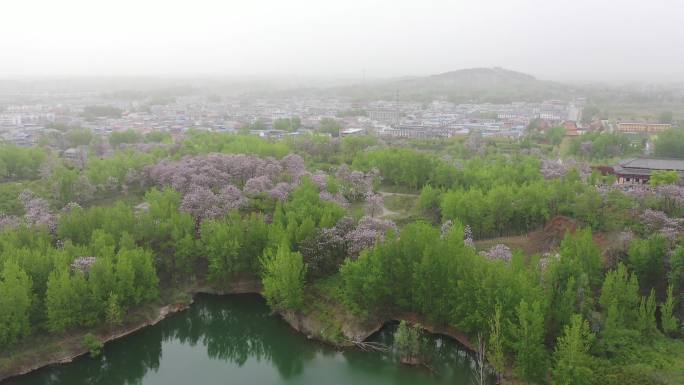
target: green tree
573 279
330 126
353 145
429 198
662 177
145 280
495 353
222 248
20 162
158 137
93 344
305 211
402 166
113 311
604 145
65 183
85 308
647 259
572 359
258 124
59 301
118 138
79 137
170 233
431 273
670 143
287 124
283 278
676 273
528 342
668 320
646 317
554 135
15 303
620 304
407 340
4 173
584 255
125 281
102 279
296 122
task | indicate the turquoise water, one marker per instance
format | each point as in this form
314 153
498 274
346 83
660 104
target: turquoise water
235 340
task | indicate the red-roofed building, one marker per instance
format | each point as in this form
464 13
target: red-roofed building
570 128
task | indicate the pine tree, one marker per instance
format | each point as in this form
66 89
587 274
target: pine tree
572 359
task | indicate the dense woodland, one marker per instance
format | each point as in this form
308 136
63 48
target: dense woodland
83 242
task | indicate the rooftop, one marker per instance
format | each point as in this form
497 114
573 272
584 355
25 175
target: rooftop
654 164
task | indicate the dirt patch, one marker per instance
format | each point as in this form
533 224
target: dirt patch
553 233
539 241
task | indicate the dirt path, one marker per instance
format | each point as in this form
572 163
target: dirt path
387 212
385 193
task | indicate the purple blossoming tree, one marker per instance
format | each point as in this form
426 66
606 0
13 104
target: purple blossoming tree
367 233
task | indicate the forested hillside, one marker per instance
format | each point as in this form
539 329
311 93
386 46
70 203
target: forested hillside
83 245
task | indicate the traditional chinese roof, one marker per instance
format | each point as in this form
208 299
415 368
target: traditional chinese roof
644 166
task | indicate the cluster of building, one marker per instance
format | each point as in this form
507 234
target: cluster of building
443 119
641 127
25 123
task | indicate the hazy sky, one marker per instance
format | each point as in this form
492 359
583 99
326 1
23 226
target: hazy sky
614 40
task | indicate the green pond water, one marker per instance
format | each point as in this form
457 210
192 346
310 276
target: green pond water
235 340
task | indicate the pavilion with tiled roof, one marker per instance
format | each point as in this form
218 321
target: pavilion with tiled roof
638 170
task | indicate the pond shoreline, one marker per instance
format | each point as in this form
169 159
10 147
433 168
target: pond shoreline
73 350
354 329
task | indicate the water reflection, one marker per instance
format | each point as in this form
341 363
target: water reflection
222 340
238 333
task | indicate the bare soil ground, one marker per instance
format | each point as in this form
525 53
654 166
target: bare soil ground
544 240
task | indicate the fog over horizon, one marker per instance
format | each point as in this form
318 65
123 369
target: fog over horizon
567 41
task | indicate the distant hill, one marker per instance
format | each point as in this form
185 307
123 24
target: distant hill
480 85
